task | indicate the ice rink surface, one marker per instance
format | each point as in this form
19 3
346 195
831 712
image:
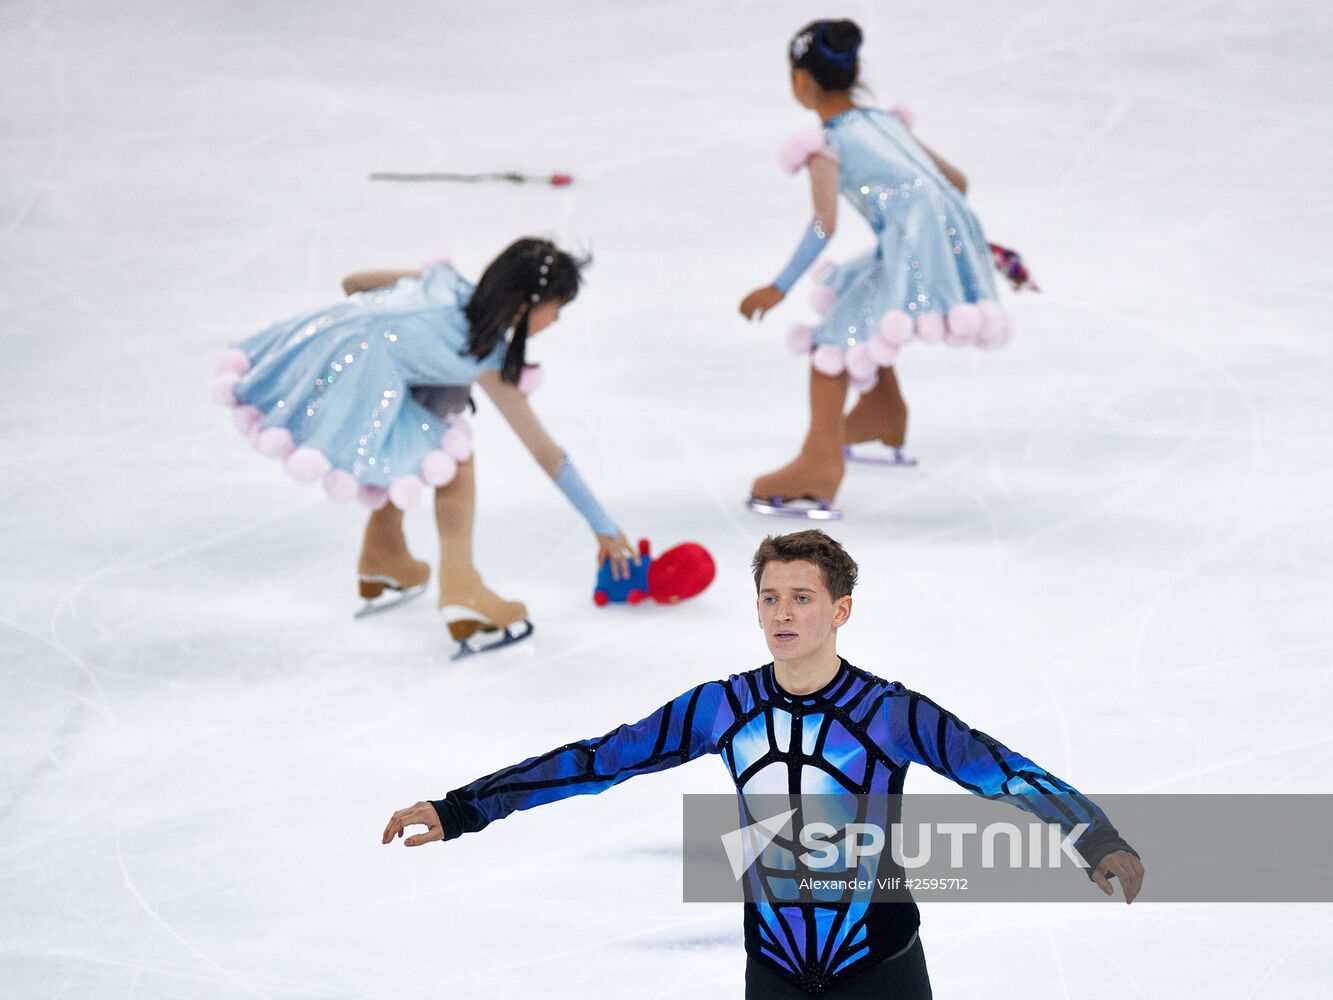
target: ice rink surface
1112 557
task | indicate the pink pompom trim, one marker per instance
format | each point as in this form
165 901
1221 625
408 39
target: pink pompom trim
446 259
405 491
994 323
861 364
438 468
896 327
997 332
965 320
964 325
823 298
829 360
233 359
276 442
457 444
800 339
799 148
904 115
531 379
224 389
930 327
339 486
246 418
372 497
885 352
306 465
866 384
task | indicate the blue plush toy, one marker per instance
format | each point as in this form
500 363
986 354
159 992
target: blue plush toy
679 573
631 590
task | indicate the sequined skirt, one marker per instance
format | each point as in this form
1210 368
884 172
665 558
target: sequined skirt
332 407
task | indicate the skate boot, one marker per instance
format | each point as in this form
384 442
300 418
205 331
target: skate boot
877 425
478 619
806 486
385 565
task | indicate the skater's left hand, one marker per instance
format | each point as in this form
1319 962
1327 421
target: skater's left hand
1124 866
422 814
618 549
760 301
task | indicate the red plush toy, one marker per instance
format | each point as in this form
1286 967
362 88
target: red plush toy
680 573
675 575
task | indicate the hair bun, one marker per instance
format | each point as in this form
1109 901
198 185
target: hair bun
828 51
842 36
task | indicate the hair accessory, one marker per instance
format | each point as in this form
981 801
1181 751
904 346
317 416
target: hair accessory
844 59
800 45
544 270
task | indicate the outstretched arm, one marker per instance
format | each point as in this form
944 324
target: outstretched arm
367 281
912 727
518 413
955 176
679 731
823 170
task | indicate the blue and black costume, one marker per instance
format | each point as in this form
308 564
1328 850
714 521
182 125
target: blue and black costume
855 736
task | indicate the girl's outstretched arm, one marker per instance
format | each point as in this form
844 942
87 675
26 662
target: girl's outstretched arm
956 177
367 281
518 413
824 196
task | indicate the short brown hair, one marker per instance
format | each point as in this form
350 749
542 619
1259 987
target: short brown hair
812 546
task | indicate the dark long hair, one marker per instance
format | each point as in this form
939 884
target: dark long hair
827 50
527 273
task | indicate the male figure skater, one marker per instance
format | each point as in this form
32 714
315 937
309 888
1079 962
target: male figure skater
812 723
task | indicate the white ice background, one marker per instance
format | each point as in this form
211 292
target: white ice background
1113 555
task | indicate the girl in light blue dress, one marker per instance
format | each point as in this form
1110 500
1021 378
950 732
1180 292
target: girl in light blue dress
366 397
929 276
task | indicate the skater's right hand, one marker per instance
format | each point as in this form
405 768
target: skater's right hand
1124 866
621 553
760 301
421 814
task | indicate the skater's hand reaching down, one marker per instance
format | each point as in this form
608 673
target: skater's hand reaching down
421 814
1124 866
618 549
760 301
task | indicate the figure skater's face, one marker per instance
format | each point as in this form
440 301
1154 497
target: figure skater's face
804 88
799 617
543 315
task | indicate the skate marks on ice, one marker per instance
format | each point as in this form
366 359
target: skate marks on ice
988 514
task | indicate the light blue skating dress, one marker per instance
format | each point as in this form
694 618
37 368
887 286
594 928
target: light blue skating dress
330 392
930 276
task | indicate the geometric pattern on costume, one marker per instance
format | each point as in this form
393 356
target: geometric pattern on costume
929 277
330 391
855 736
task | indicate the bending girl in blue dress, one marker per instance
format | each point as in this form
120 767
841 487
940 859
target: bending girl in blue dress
367 395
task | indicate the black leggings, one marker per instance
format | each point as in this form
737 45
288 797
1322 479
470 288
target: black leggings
902 977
